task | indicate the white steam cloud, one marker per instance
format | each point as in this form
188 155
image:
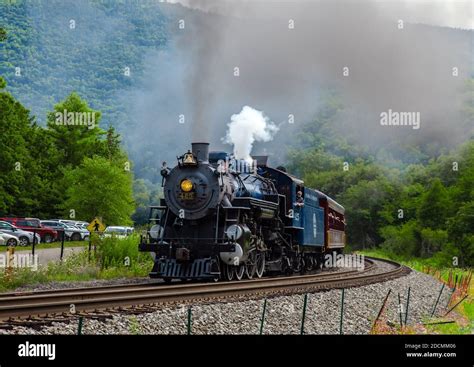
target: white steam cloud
247 127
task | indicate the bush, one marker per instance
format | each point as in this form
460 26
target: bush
112 258
117 252
402 240
432 241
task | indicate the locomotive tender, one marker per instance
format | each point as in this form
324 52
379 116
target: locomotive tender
223 219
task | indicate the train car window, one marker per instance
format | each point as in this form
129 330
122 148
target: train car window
299 197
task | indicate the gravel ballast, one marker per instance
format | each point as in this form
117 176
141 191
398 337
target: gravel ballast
283 314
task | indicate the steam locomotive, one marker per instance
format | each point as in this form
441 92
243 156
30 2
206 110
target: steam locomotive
223 218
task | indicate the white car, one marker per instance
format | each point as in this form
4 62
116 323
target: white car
82 231
8 239
117 231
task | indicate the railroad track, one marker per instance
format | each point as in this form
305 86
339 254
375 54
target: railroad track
49 306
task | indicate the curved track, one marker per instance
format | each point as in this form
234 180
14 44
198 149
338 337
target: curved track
49 305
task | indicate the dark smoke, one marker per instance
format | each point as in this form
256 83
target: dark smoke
287 72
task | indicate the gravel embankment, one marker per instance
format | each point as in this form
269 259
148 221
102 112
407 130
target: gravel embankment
82 284
283 313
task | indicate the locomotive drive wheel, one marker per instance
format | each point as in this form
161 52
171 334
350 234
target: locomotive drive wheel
240 271
251 265
260 264
228 272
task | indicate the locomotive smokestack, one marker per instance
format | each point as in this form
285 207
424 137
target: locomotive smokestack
201 151
261 160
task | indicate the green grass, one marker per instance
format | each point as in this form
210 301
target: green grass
48 245
418 263
113 258
466 308
453 328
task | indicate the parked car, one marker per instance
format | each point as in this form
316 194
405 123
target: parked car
78 233
117 231
34 225
81 224
83 231
73 225
70 232
25 238
8 240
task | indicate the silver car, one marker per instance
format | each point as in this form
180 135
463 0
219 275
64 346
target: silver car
8 239
82 231
71 232
25 238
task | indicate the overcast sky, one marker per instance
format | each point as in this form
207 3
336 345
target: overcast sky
446 13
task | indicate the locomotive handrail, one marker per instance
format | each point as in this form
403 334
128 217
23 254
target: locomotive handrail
235 208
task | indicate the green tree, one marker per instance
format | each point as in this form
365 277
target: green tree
363 202
112 148
461 232
432 241
99 188
16 161
401 240
3 34
74 128
434 206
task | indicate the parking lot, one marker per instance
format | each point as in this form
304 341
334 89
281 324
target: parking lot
32 232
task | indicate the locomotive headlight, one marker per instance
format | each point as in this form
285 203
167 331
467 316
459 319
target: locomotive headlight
186 185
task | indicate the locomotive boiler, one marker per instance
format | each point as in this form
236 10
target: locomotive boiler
223 218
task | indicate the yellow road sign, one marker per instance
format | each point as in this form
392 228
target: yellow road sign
96 226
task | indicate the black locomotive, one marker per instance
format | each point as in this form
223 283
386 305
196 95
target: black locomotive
223 218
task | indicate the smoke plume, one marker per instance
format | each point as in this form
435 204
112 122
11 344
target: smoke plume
247 127
287 57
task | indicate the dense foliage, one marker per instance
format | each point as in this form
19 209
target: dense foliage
416 210
73 171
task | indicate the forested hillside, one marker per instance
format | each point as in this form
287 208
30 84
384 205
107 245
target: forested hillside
55 47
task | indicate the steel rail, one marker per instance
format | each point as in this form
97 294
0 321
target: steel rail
60 301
